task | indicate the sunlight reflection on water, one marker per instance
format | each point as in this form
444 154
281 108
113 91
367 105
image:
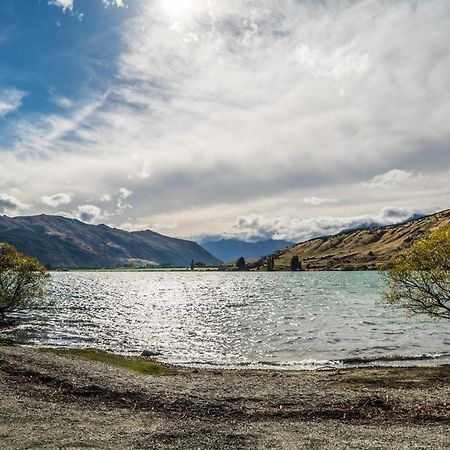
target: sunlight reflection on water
294 320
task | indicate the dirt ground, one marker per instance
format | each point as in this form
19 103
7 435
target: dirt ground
51 402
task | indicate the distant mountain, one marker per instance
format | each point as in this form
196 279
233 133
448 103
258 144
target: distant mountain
360 249
64 243
232 249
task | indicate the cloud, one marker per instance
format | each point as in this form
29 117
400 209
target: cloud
43 137
316 201
11 205
64 4
255 227
62 102
118 3
122 206
340 63
105 198
135 227
68 5
124 193
391 179
10 100
249 107
88 213
56 200
144 172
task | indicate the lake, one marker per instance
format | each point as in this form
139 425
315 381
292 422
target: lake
295 320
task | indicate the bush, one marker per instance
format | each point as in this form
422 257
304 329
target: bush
22 281
419 279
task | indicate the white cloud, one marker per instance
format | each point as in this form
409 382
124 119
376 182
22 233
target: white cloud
391 179
88 213
68 5
122 206
254 227
65 214
105 198
56 200
11 205
119 3
341 62
135 227
316 201
10 100
145 171
62 102
124 193
64 4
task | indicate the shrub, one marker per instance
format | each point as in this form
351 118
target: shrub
22 281
419 279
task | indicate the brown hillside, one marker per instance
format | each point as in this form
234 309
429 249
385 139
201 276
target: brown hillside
363 249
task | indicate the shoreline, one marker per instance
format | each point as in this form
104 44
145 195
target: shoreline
425 360
51 401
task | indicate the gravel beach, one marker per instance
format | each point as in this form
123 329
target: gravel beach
49 401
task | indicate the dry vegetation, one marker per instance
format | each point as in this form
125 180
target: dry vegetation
365 249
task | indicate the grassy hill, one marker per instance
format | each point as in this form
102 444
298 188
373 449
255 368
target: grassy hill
362 249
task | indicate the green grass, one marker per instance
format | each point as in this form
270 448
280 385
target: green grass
137 365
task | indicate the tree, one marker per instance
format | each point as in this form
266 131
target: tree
295 263
240 263
200 264
192 264
419 279
22 281
270 264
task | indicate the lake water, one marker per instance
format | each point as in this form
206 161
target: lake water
298 320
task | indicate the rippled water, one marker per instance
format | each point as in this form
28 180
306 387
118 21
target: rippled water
290 319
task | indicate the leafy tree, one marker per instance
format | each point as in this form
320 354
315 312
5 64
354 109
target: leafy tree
240 263
192 264
22 281
295 263
419 279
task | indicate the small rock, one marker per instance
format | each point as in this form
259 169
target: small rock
149 353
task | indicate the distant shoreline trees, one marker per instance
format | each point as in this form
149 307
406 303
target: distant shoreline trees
22 281
240 263
270 264
295 264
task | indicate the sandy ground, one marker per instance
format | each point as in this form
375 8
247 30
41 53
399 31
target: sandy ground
51 402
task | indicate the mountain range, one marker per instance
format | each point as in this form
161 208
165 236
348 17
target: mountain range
361 249
62 243
232 249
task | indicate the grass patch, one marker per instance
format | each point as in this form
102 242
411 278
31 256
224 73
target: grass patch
137 365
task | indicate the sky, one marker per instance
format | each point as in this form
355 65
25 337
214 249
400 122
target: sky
254 119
